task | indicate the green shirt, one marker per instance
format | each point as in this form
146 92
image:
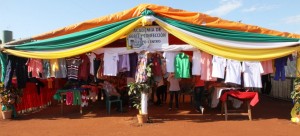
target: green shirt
182 66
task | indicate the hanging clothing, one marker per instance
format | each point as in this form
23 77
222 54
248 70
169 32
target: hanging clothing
196 68
182 66
291 67
124 63
46 69
280 71
141 73
62 66
91 57
170 57
54 67
18 65
267 66
233 72
69 98
156 68
35 66
111 64
206 67
133 57
218 67
84 68
73 67
252 74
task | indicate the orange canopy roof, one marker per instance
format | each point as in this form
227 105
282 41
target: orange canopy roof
177 14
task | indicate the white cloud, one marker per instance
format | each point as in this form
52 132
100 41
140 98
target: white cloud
292 19
226 6
260 8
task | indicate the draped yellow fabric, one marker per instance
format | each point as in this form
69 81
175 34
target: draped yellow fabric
177 14
77 50
227 52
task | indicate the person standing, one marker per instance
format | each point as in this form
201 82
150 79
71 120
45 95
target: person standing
198 93
174 90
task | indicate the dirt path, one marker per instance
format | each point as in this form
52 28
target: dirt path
270 118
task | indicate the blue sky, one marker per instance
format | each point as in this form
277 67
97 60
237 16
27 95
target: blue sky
31 17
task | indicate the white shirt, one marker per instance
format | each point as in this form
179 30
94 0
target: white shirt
218 67
252 73
233 72
170 57
110 64
92 56
196 67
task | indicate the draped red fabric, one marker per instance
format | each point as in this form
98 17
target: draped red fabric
252 96
31 98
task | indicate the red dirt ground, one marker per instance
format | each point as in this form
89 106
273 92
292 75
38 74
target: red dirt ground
271 117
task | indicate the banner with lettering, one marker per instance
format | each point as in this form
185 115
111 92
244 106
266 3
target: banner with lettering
143 37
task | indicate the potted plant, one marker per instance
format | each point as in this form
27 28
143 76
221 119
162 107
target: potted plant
138 93
295 95
8 97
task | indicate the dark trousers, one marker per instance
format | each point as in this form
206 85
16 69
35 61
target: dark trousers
96 67
172 93
160 93
198 95
16 64
266 84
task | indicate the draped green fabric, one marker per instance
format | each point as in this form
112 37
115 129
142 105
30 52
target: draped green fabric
226 34
147 12
3 62
74 39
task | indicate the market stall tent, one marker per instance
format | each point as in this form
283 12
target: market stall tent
233 40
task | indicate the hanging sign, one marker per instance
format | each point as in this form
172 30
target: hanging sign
143 37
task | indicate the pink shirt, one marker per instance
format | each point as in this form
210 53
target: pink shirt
35 66
206 67
267 67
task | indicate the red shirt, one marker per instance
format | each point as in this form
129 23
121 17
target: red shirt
198 81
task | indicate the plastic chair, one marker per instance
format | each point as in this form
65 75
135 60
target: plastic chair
109 100
186 88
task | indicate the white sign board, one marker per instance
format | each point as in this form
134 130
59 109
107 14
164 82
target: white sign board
143 37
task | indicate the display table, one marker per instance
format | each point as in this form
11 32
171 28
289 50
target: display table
61 93
251 99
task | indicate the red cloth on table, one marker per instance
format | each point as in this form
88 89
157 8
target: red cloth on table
253 96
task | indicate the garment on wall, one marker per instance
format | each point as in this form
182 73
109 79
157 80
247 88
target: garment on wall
267 66
196 68
233 71
124 63
170 57
73 67
17 64
252 74
46 69
141 73
279 66
218 67
182 66
156 68
35 66
110 64
84 68
133 57
206 67
62 66
91 57
54 67
291 67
